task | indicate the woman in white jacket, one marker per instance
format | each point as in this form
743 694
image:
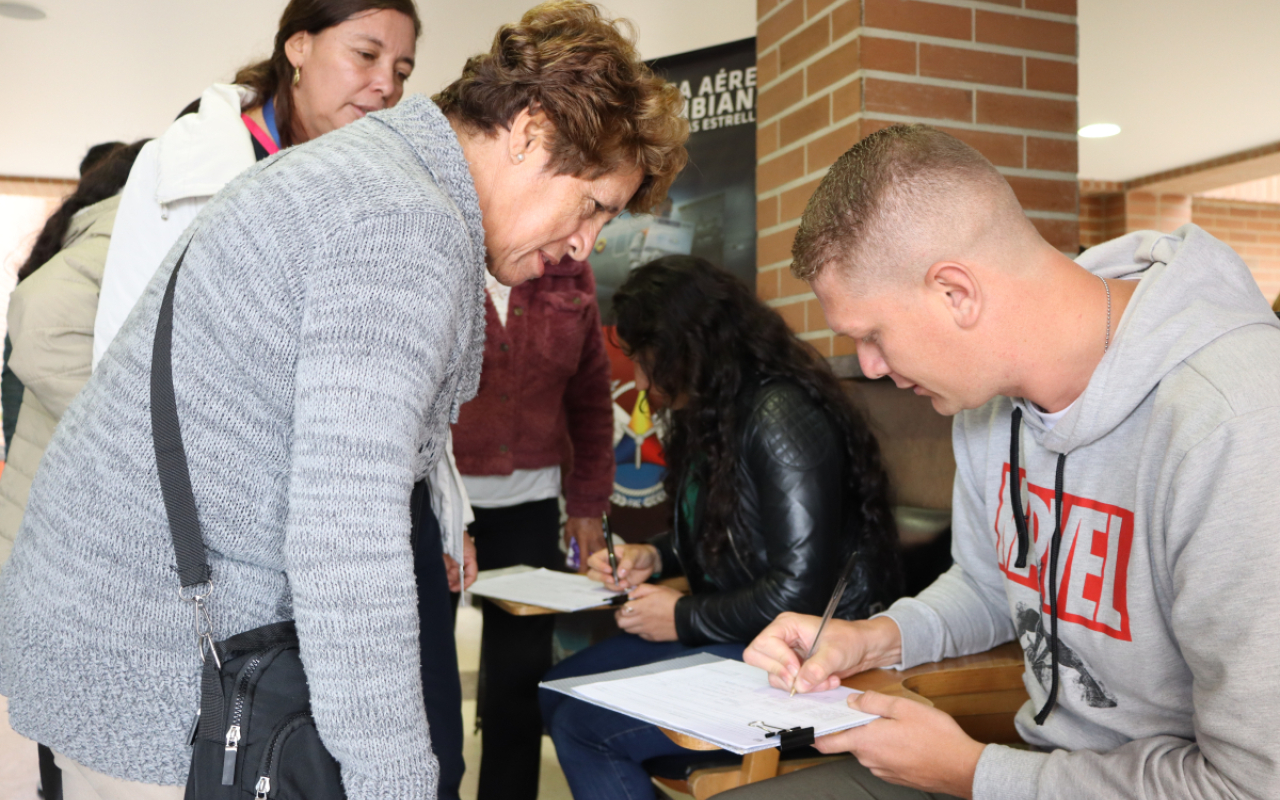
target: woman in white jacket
334 61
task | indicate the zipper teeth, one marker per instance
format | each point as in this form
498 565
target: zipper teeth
244 687
275 741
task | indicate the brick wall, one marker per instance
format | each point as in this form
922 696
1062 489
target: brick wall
1000 75
1252 230
1101 218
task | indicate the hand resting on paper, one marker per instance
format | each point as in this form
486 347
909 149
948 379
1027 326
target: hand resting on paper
650 613
636 562
912 744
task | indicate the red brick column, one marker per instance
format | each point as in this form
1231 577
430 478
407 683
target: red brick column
1000 75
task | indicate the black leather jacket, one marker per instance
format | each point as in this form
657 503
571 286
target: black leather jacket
795 533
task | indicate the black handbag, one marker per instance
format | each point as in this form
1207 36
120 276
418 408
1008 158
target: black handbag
253 735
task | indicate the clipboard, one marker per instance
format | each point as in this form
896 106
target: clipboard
719 701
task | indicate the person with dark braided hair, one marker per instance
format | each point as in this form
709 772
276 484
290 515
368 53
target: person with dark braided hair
776 479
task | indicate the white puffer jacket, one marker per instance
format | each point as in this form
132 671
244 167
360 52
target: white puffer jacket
173 178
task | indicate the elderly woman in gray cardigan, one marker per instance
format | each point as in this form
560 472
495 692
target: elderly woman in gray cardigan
328 321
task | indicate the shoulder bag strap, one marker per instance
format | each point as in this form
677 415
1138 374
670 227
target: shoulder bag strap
171 457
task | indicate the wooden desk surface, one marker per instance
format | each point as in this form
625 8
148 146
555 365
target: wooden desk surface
526 610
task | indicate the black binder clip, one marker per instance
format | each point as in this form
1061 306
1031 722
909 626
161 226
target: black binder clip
788 738
792 738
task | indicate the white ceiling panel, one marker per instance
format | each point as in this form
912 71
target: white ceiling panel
1186 80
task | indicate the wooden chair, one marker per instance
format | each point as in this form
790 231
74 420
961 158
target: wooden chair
983 692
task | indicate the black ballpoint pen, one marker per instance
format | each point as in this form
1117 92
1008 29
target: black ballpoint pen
608 543
830 612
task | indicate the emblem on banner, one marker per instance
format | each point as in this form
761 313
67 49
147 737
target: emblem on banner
637 448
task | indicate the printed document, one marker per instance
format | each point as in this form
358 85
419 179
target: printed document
725 702
560 591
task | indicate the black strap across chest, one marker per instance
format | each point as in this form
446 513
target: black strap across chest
171 456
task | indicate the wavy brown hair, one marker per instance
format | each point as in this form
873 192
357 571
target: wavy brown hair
273 78
699 331
608 110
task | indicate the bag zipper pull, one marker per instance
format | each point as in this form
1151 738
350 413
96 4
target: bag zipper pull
263 789
229 756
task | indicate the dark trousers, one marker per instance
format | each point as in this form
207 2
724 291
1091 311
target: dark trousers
441 686
515 651
50 775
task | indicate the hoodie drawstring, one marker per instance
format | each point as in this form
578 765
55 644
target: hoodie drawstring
1015 480
1024 543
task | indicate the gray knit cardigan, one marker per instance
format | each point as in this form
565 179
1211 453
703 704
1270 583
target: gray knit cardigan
329 320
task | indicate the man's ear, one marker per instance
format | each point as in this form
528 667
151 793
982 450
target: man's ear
529 131
297 47
956 286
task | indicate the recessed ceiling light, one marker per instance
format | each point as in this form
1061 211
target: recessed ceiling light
1099 130
20 11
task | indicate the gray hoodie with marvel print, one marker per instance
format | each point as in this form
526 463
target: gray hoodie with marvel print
1167 608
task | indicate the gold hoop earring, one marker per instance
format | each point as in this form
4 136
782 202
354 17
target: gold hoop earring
297 75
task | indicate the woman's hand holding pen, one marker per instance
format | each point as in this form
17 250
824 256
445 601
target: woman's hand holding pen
846 648
636 562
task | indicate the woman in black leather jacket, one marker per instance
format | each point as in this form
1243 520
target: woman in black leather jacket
776 481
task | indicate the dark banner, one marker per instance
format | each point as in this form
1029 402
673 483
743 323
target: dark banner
711 209
710 212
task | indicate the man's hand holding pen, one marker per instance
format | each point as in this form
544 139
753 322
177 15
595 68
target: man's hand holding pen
911 744
846 648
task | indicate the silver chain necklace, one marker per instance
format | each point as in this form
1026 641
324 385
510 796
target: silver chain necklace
1106 344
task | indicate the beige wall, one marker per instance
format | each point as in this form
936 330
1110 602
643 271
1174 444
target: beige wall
122 70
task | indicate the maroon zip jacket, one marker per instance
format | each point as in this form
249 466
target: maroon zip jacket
544 395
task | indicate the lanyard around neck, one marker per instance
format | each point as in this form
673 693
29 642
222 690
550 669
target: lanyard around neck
269 141
269 116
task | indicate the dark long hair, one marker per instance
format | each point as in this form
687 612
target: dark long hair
273 77
102 180
699 331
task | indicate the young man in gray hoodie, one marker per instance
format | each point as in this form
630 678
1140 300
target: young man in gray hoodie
1117 446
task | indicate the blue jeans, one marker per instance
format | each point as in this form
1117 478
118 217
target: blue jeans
602 752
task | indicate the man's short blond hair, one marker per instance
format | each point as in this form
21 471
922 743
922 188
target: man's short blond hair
884 192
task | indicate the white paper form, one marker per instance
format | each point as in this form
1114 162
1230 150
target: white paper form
718 701
561 591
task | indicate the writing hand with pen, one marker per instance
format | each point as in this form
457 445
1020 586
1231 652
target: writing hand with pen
650 610
911 744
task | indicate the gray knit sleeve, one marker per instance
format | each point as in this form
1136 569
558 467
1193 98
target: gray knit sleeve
381 310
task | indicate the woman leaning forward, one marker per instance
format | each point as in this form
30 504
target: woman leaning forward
328 322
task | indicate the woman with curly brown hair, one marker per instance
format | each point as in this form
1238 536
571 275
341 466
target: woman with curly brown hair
776 481
327 322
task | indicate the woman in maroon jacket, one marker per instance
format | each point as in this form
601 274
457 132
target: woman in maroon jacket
544 402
